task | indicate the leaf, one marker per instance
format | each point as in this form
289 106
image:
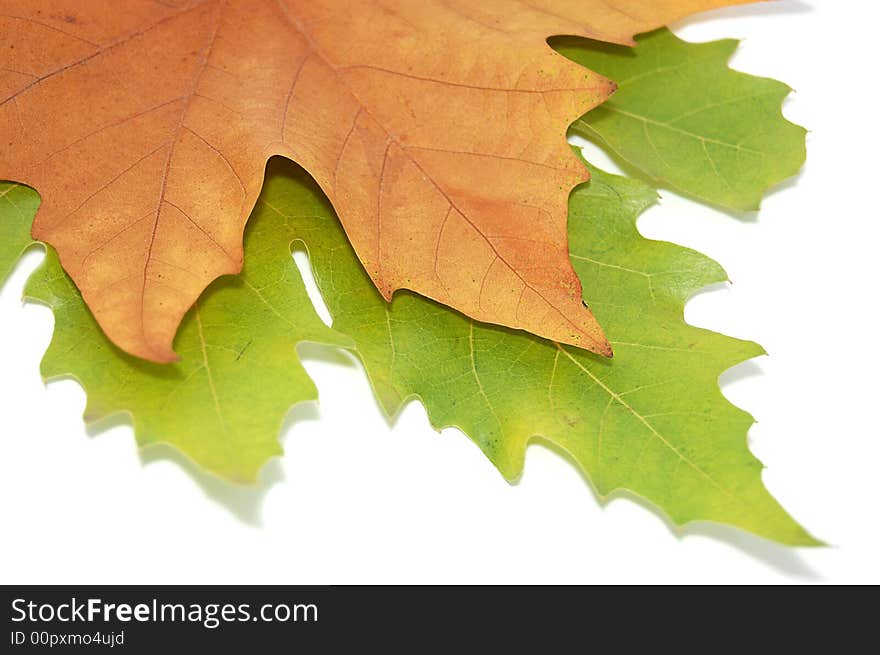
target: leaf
224 403
18 205
435 128
688 121
653 420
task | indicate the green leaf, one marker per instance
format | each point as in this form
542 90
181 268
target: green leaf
689 122
18 205
224 402
652 420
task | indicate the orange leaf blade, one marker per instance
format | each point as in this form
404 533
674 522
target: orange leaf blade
436 129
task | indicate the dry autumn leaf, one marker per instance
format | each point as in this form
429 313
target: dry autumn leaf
435 128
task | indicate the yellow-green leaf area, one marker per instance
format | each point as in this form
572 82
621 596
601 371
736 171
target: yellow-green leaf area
223 403
651 420
689 122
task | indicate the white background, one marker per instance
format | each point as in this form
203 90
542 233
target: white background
356 501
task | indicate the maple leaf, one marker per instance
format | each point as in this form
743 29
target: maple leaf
652 420
688 121
223 404
435 128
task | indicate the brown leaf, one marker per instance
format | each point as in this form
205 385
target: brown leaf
436 128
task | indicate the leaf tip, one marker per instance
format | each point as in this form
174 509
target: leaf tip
161 356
